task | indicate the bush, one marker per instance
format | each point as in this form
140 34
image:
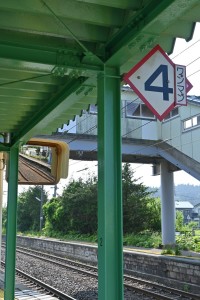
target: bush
146 240
188 242
171 251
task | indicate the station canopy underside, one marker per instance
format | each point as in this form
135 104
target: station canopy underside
51 52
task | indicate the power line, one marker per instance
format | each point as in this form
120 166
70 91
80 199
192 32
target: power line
186 49
95 126
129 133
157 143
192 61
193 73
90 115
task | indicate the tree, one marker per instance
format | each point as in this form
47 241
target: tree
179 220
82 206
141 210
76 209
155 214
54 216
28 216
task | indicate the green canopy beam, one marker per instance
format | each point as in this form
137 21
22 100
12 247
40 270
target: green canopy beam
46 59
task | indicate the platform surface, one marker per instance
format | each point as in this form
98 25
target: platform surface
22 292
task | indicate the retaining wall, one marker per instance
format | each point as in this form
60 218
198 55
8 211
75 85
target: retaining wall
171 268
174 268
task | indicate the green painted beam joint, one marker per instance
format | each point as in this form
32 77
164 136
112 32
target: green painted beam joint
136 25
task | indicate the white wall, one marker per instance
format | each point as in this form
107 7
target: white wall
186 141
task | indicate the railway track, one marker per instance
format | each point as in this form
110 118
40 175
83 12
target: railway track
29 172
133 284
37 285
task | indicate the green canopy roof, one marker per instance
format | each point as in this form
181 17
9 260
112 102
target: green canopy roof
51 52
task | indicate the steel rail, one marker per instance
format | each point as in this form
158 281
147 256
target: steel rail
25 167
38 283
78 267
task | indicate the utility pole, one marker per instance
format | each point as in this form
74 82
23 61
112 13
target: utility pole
41 204
55 190
41 200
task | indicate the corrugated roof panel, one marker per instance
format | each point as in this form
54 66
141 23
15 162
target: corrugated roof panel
52 51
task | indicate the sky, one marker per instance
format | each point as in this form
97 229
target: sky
185 53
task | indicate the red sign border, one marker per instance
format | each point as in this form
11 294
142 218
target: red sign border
136 67
189 86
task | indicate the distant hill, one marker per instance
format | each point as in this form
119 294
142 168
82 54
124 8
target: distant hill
183 192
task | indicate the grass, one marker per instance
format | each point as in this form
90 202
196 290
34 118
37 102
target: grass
71 236
171 251
145 240
185 241
197 232
1 294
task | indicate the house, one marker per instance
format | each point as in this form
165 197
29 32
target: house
186 208
196 213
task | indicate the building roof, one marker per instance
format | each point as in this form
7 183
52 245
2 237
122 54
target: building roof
193 99
183 205
51 53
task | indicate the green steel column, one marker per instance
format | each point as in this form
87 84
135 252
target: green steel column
11 225
110 247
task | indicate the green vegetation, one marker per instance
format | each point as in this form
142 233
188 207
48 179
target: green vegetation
73 215
140 210
168 251
28 215
144 239
76 210
172 250
188 242
179 220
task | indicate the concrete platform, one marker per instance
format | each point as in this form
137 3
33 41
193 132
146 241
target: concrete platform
183 253
22 292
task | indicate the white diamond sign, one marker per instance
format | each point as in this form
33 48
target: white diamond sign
153 80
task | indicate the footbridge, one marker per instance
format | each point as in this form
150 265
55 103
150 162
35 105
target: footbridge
84 147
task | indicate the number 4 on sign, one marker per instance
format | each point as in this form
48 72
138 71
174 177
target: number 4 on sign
164 89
